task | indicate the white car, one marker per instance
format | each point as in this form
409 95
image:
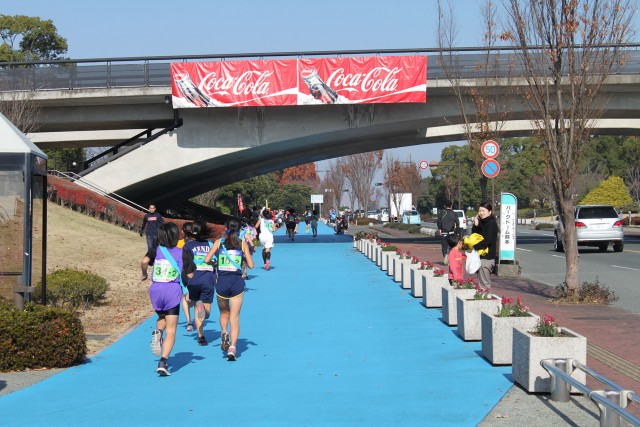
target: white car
596 225
462 220
385 215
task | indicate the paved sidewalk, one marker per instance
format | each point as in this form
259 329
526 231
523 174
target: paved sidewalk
327 339
612 334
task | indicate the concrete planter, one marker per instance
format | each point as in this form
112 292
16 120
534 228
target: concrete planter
432 289
469 315
373 251
378 259
449 304
417 281
398 268
497 335
355 243
391 263
407 275
529 350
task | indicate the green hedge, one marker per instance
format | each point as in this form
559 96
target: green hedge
73 288
39 337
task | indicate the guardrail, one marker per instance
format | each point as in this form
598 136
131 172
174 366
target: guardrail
611 402
75 178
153 71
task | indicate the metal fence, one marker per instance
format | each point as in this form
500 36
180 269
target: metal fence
155 71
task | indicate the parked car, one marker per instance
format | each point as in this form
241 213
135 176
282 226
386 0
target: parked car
462 220
373 214
596 225
385 215
411 217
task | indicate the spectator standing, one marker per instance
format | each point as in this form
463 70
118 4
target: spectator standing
151 224
485 224
447 224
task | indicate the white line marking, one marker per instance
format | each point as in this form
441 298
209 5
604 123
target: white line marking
526 250
626 268
558 256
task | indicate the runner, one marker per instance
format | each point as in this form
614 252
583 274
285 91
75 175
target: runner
314 223
307 219
186 308
267 228
291 223
230 253
166 293
202 282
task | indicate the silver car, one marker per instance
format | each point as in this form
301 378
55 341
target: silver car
596 225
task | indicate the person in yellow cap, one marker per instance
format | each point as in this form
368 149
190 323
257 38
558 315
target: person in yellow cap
485 225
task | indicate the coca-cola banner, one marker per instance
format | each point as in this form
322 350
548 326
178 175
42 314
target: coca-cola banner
358 80
234 83
363 80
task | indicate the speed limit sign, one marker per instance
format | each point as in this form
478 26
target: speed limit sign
424 164
490 149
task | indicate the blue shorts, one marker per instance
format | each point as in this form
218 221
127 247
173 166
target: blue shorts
201 292
229 285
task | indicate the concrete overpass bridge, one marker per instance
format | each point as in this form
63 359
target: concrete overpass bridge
194 150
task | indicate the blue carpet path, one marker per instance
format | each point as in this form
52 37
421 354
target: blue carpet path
326 339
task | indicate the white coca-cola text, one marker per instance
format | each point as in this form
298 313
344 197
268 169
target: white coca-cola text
378 79
244 84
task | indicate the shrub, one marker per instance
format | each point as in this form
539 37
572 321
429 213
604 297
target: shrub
364 221
587 293
74 288
39 337
390 248
545 226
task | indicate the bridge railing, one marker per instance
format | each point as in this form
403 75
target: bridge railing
155 70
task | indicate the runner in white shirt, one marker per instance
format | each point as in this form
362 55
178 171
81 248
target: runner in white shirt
267 228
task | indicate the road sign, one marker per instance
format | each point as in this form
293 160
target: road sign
490 168
424 164
490 149
373 197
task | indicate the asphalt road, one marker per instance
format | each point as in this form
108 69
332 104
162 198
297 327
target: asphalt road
617 270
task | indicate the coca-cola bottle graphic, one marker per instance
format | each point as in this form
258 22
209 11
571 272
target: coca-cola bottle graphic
317 87
191 92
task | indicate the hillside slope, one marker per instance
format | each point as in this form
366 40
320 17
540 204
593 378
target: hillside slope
79 241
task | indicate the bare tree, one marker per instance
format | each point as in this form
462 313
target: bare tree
401 178
207 199
483 109
360 169
632 180
333 184
18 106
567 48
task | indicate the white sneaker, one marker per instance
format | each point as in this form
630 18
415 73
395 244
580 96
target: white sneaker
156 342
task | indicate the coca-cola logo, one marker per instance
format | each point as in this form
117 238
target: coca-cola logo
378 79
248 83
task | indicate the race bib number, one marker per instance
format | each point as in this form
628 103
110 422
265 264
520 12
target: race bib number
163 272
198 260
224 262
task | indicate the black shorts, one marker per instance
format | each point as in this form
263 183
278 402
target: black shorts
175 311
306 221
291 225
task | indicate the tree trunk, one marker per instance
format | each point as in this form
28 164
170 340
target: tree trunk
570 242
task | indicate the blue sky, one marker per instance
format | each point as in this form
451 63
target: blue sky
119 28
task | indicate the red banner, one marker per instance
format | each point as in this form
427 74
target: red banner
362 80
234 83
358 80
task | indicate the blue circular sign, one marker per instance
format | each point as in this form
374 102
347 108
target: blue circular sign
490 168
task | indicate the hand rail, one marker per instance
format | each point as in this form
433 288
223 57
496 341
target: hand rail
74 177
610 402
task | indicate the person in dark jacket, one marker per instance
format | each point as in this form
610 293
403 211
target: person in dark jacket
485 224
447 224
151 224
